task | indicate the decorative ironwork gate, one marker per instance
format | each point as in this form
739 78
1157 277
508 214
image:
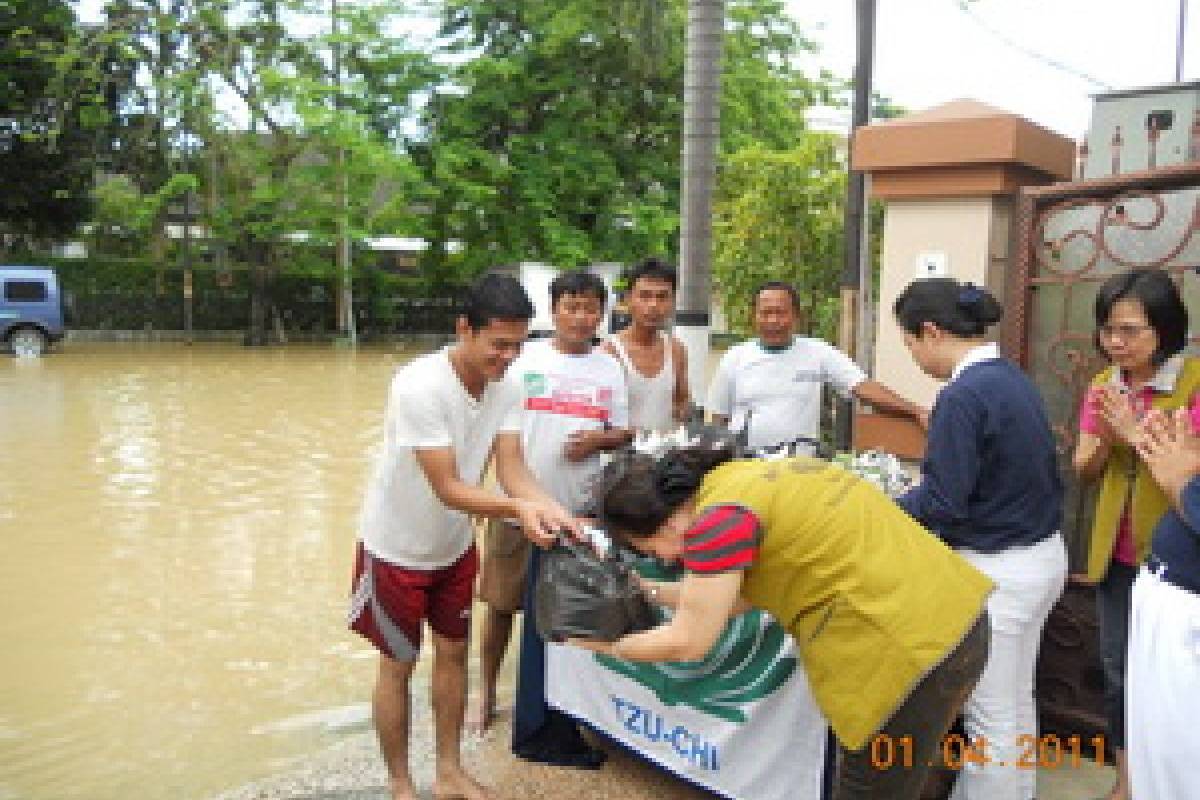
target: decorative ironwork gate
1070 238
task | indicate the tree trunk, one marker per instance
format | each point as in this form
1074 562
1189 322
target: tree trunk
345 294
256 336
855 212
701 132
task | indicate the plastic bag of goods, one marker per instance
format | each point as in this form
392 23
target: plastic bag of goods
581 594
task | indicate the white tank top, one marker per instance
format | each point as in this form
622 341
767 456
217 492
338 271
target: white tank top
651 400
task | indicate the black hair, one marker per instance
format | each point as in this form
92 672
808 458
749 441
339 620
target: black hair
577 282
654 269
639 492
962 309
1159 298
779 286
495 296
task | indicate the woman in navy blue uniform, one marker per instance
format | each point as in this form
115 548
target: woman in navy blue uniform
991 489
1163 680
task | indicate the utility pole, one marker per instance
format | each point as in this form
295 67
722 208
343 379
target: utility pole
345 303
187 244
217 245
1179 43
188 157
855 216
701 132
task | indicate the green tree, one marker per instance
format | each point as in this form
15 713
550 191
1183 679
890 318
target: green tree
268 171
778 216
50 107
553 143
558 138
125 220
764 95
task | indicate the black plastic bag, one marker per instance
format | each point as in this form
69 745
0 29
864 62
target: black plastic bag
580 594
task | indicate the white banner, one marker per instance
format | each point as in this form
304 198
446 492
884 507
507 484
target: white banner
742 723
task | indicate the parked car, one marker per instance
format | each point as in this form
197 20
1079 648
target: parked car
31 314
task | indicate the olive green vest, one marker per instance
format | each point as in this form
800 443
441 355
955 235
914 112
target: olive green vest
1147 499
873 600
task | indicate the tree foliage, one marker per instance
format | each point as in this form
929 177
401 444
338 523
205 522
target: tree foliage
532 131
778 216
243 96
51 101
560 141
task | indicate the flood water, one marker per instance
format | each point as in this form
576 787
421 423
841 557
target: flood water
177 527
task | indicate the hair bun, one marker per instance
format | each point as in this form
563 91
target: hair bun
970 296
979 304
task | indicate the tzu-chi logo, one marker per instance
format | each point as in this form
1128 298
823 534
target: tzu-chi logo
535 384
752 659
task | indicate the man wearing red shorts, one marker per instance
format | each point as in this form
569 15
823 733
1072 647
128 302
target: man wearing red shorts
416 559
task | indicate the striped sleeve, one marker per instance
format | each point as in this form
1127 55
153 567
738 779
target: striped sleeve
722 539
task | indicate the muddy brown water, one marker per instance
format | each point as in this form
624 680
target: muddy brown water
177 527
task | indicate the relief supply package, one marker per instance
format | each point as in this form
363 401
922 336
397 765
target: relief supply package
580 594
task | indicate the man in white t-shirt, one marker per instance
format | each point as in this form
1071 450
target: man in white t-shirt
416 559
575 408
771 387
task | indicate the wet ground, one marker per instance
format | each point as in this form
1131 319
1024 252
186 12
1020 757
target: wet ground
352 770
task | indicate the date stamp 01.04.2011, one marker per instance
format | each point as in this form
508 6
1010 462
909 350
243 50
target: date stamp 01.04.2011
957 751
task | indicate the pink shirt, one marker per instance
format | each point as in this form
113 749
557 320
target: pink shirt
1089 422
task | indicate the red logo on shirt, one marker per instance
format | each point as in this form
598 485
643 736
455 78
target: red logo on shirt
568 405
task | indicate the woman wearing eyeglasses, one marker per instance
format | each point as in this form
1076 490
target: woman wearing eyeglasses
1141 328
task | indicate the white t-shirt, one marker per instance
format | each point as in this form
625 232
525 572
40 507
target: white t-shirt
563 394
782 389
402 520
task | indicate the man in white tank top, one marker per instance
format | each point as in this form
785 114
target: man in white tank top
655 362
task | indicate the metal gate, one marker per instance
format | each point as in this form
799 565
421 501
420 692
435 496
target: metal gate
1070 238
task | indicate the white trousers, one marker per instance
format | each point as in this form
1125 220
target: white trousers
1162 691
1028 582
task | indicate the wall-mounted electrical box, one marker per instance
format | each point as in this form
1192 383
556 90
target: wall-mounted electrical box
1140 129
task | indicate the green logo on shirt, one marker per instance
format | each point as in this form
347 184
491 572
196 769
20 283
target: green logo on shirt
535 384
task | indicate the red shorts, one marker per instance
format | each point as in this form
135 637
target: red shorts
389 602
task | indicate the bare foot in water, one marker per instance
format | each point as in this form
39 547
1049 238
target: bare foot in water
482 714
458 785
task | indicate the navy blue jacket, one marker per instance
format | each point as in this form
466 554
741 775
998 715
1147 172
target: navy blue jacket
990 477
1177 539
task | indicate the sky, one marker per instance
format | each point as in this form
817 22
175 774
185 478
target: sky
1004 52
1030 57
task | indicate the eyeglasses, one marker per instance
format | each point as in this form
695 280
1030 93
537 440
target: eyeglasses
1122 332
